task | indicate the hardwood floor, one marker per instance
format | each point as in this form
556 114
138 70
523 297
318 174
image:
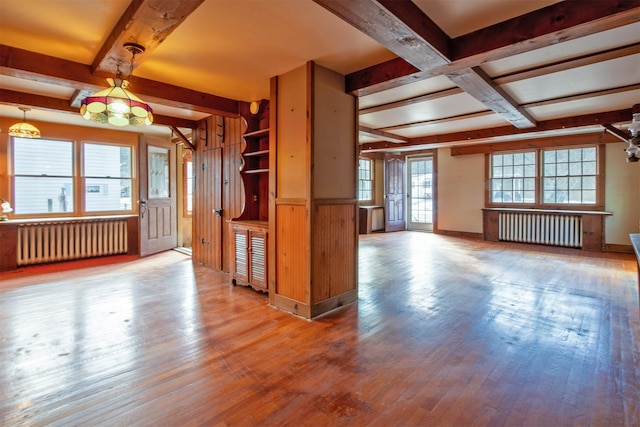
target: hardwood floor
447 332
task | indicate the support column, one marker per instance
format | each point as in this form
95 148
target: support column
312 198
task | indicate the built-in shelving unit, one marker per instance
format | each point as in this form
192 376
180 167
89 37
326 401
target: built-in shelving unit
248 231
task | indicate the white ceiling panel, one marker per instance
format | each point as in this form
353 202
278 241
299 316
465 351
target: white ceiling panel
591 78
409 91
472 123
449 106
367 138
599 42
459 17
35 88
68 29
593 105
240 45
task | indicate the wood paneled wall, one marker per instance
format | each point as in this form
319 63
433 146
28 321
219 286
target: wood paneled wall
292 249
218 194
334 248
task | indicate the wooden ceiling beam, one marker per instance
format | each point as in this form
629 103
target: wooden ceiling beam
48 69
605 55
619 134
387 75
10 97
478 84
529 32
398 25
559 22
618 116
389 137
146 23
402 27
532 143
182 137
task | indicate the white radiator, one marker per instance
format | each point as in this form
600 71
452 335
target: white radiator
541 228
59 241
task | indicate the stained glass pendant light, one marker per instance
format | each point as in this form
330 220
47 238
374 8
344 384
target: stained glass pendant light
116 105
24 129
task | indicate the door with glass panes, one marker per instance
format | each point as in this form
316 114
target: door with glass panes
158 221
420 193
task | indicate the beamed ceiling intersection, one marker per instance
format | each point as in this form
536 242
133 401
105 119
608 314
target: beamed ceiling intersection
423 51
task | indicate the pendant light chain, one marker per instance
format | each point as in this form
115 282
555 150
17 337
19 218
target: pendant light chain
133 57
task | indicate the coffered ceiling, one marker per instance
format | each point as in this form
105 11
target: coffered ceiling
427 73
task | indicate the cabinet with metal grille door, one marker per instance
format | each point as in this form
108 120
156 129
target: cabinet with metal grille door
249 254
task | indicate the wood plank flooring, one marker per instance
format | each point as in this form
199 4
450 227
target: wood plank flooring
446 332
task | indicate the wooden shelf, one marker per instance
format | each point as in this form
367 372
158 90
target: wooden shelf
256 153
256 133
254 170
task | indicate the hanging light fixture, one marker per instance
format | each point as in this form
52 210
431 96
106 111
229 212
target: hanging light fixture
116 105
633 150
24 129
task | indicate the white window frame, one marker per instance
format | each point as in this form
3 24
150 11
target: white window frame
365 176
538 202
79 182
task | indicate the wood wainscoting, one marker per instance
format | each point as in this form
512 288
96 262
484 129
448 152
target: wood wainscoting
334 255
292 254
315 256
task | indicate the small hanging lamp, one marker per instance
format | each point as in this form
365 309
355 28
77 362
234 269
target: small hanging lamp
116 105
24 129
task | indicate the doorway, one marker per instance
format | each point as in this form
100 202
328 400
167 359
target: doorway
420 195
157 180
394 192
185 199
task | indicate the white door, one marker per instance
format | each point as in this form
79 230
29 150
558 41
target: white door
158 220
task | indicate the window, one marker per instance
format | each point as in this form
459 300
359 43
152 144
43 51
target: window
365 180
43 176
569 176
46 177
564 176
107 175
513 178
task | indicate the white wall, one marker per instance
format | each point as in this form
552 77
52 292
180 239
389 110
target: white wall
461 181
460 197
622 195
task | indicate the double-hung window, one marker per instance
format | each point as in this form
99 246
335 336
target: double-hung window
569 176
44 180
548 177
107 177
365 180
57 178
513 177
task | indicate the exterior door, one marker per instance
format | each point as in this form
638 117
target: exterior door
420 196
158 214
394 193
